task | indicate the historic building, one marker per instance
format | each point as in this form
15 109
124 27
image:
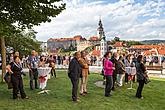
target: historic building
98 43
101 45
55 44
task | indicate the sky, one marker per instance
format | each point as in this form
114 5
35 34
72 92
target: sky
126 19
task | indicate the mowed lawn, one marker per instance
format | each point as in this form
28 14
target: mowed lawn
60 96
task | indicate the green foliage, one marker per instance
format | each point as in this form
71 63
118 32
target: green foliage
27 13
23 14
117 39
130 43
23 43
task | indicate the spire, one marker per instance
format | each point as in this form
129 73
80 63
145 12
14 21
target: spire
100 23
100 30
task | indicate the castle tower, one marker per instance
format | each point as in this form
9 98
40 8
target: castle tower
101 36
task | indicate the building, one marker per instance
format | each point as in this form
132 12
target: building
54 44
150 51
143 48
101 45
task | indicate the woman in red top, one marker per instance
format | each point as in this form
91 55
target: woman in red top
108 72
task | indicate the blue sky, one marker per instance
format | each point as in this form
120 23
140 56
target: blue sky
128 19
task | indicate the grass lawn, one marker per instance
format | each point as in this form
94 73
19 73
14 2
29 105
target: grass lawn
60 97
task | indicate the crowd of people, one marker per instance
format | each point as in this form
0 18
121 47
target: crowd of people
114 70
33 62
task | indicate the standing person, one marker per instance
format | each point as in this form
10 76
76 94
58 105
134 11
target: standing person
53 70
140 71
114 60
121 71
33 73
16 79
24 61
102 72
92 60
42 61
85 71
127 64
74 72
95 59
51 59
11 58
108 72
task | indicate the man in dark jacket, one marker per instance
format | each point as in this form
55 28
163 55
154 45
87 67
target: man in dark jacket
74 72
114 60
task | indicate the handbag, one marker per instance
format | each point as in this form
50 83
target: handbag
7 79
147 80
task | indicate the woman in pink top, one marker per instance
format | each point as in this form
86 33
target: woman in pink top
108 72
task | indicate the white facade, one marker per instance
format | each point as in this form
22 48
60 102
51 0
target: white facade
103 47
103 42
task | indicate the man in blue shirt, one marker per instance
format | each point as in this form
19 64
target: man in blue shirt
33 73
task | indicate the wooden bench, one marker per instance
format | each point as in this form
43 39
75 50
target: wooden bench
156 68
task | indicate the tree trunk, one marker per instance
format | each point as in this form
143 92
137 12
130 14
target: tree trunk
3 54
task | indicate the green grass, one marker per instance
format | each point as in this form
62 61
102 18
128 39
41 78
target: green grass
60 97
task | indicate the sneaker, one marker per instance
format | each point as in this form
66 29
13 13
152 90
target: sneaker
26 97
76 101
141 98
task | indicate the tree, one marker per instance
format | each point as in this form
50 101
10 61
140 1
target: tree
24 14
116 39
130 43
23 42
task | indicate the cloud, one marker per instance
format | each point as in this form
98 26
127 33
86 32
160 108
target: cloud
126 18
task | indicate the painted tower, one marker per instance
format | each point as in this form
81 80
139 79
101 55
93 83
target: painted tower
101 36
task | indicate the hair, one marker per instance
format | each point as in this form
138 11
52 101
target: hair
41 58
75 54
82 52
15 57
107 53
139 58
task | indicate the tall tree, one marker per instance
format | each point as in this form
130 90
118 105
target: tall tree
25 14
23 42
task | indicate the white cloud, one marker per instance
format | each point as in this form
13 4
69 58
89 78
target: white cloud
125 18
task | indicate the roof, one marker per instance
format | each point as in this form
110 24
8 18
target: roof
161 52
96 52
149 46
94 38
118 44
154 51
75 38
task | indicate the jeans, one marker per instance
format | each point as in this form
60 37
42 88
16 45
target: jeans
140 88
109 85
75 83
33 73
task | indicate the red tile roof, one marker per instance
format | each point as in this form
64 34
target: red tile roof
149 52
76 38
96 52
118 44
149 46
161 52
94 38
